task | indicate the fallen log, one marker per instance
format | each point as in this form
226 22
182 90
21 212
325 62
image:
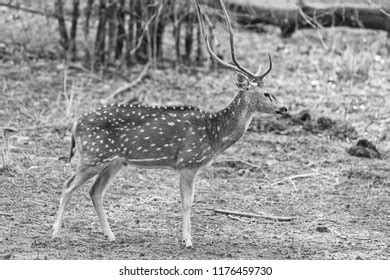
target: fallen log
304 15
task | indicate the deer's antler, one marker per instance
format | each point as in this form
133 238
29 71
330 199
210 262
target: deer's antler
236 66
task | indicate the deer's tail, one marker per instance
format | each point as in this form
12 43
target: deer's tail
72 145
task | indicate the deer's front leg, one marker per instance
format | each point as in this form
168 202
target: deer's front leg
187 197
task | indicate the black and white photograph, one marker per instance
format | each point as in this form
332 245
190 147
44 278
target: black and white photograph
195 130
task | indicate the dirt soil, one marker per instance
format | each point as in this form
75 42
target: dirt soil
339 203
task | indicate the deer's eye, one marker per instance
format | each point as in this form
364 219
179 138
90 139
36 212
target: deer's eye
267 95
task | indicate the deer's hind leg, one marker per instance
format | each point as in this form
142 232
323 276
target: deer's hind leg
82 174
98 190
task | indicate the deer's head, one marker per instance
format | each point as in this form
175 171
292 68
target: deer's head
262 100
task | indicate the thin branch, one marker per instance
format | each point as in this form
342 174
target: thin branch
27 10
140 39
130 85
379 7
312 22
252 215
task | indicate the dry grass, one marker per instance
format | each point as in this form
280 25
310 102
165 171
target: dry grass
339 212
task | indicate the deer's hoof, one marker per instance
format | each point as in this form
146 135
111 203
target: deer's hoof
187 243
56 234
55 238
111 238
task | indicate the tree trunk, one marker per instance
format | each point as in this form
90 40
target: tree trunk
157 35
99 55
111 14
131 31
73 29
121 32
188 41
141 12
176 32
199 45
87 13
64 39
159 39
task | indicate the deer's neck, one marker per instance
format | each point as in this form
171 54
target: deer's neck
230 124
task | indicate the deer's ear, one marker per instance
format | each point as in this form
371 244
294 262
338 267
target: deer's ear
242 82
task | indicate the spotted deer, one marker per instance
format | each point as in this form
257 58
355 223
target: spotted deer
180 138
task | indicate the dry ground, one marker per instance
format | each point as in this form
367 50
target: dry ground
340 206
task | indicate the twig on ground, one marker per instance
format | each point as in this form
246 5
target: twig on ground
290 178
153 229
8 129
6 256
338 234
128 86
252 215
294 185
36 127
235 218
5 214
362 238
